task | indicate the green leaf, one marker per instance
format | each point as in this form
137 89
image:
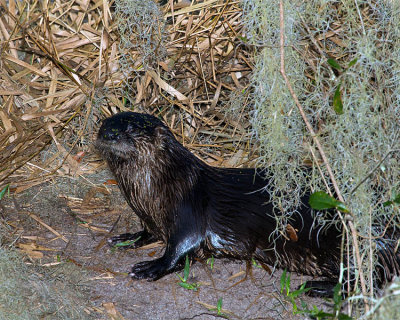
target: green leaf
219 305
320 200
337 297
300 291
3 192
343 316
211 262
186 270
244 39
287 284
396 200
387 203
283 280
304 305
352 63
186 285
334 64
342 207
320 314
337 101
180 278
192 286
255 264
125 243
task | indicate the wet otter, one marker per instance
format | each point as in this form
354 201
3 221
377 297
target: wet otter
199 210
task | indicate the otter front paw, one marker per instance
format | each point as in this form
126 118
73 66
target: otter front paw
150 270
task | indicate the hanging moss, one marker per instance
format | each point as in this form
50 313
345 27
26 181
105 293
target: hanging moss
388 307
141 28
332 48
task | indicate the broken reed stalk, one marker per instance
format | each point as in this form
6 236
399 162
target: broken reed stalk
322 153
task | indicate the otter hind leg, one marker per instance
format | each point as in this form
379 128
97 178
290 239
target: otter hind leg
132 240
320 288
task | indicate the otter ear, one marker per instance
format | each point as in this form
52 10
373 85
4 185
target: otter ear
161 132
161 136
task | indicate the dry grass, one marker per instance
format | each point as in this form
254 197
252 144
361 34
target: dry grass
60 74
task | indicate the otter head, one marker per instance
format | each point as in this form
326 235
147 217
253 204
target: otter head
128 135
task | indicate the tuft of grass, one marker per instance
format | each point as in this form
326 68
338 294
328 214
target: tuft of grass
184 280
30 292
290 295
314 312
218 309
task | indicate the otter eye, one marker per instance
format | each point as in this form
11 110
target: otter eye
131 130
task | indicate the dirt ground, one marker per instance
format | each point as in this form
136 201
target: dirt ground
85 218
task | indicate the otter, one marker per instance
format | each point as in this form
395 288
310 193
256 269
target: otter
199 210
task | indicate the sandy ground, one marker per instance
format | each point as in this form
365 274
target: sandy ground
85 227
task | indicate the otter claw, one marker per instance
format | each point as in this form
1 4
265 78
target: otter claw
149 270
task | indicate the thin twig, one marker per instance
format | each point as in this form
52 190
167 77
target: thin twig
360 16
322 153
371 172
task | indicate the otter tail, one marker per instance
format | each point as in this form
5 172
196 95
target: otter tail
388 255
